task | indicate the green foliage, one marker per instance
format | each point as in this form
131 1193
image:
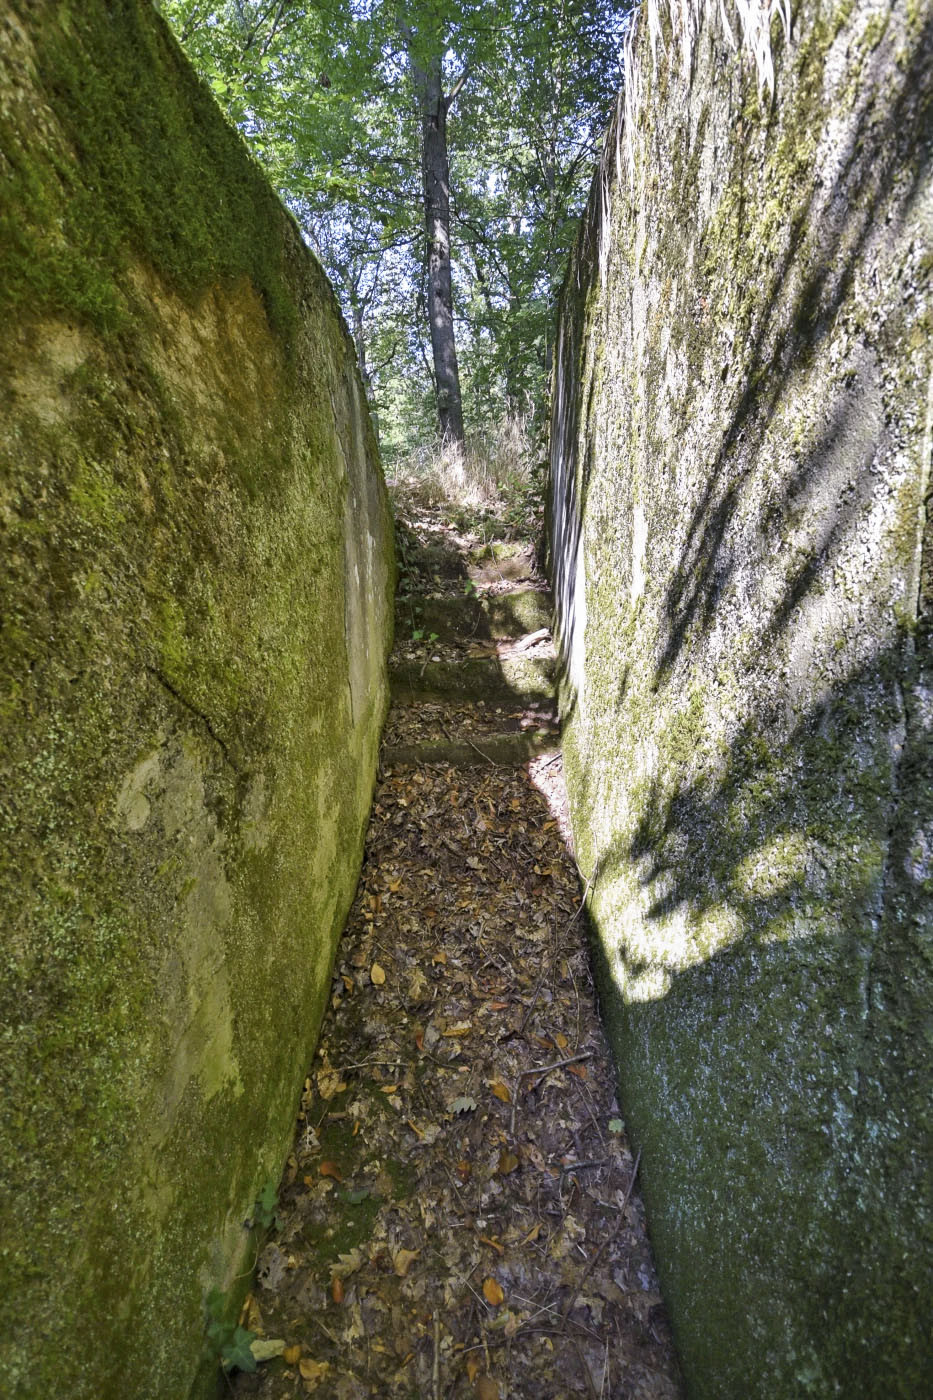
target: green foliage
265 1211
229 1342
324 97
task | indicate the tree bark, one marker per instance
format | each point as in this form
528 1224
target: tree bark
435 167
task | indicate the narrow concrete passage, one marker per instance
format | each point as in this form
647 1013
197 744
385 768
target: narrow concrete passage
460 1213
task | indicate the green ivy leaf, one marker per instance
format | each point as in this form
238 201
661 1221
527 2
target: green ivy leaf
354 1197
237 1354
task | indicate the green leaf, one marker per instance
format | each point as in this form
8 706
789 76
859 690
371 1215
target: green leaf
237 1354
353 1198
264 1211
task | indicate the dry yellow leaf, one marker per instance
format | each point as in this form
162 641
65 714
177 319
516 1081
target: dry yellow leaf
438 957
562 1041
267 1348
493 1243
291 1355
533 1234
312 1372
472 1368
329 1082
461 1028
377 975
404 1258
492 1292
331 1169
501 1091
486 1388
507 1163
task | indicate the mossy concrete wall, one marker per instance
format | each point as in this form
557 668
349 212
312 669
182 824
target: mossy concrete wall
741 550
196 604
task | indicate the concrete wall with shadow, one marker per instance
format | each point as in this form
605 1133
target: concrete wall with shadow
741 558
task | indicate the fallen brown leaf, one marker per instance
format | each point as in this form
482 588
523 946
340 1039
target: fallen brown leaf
485 1388
501 1091
331 1169
291 1355
492 1292
377 975
312 1372
404 1258
336 1290
329 1082
507 1163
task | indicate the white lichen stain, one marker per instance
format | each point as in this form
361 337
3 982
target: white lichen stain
133 806
639 545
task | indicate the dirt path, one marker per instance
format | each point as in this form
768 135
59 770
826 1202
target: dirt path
459 1216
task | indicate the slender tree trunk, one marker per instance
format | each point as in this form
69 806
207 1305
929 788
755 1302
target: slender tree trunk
359 340
436 175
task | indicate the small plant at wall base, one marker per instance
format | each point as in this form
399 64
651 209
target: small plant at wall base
265 1210
229 1342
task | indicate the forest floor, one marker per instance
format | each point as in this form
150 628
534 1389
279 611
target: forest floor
460 1214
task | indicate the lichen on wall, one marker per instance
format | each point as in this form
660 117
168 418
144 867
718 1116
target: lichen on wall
740 547
196 612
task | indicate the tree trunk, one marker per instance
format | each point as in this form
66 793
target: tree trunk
436 176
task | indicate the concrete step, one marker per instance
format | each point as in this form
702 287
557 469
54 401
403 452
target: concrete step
503 678
496 615
499 749
501 561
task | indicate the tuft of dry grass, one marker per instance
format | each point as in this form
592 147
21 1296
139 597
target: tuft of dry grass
490 477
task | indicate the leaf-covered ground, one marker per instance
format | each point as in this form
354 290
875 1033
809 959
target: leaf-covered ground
460 1214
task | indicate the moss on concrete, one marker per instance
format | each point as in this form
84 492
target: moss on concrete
740 487
197 604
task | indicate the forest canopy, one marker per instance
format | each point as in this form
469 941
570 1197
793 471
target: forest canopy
436 157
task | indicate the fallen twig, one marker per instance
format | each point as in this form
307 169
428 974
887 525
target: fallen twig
591 1267
448 737
549 967
557 1064
541 1070
436 1375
